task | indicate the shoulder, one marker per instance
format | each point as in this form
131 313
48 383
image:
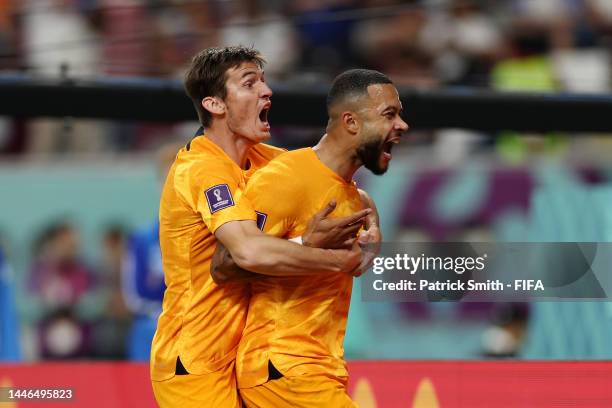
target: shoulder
281 179
267 151
293 157
200 166
287 165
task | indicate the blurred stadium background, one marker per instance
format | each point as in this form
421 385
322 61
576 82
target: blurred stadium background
80 273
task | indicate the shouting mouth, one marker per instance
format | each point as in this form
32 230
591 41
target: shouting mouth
388 146
263 116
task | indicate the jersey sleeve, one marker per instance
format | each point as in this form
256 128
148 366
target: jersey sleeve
275 196
215 192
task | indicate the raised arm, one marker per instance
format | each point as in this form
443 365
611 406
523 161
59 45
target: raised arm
370 238
372 220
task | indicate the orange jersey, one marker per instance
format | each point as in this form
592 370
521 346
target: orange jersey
200 321
296 322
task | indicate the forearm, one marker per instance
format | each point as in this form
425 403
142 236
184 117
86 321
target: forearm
369 239
224 270
257 252
271 256
372 218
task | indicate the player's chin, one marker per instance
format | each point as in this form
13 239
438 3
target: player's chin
263 136
259 136
378 168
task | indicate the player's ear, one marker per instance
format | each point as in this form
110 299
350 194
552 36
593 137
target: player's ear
350 121
214 105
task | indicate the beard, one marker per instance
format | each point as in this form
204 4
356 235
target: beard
369 154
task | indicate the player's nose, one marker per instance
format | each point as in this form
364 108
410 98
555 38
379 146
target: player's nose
266 92
401 125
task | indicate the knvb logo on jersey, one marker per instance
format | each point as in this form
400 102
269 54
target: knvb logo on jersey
219 197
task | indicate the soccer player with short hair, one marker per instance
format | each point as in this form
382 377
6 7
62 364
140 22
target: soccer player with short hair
291 353
193 351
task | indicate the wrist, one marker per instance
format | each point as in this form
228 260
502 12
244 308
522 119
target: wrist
341 259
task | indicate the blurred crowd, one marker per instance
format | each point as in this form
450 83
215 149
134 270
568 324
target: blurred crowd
542 45
423 43
75 306
78 308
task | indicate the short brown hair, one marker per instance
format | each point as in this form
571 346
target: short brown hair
207 74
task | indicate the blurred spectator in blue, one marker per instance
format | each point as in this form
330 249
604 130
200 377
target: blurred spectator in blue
324 28
143 275
62 282
143 288
9 327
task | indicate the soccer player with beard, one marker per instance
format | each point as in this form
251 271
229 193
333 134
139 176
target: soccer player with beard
193 351
291 353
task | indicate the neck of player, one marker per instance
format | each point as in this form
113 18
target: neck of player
235 146
337 156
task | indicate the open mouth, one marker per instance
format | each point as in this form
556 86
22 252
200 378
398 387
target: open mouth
263 116
387 147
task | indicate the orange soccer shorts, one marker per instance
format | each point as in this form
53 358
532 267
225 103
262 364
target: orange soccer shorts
216 389
305 391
